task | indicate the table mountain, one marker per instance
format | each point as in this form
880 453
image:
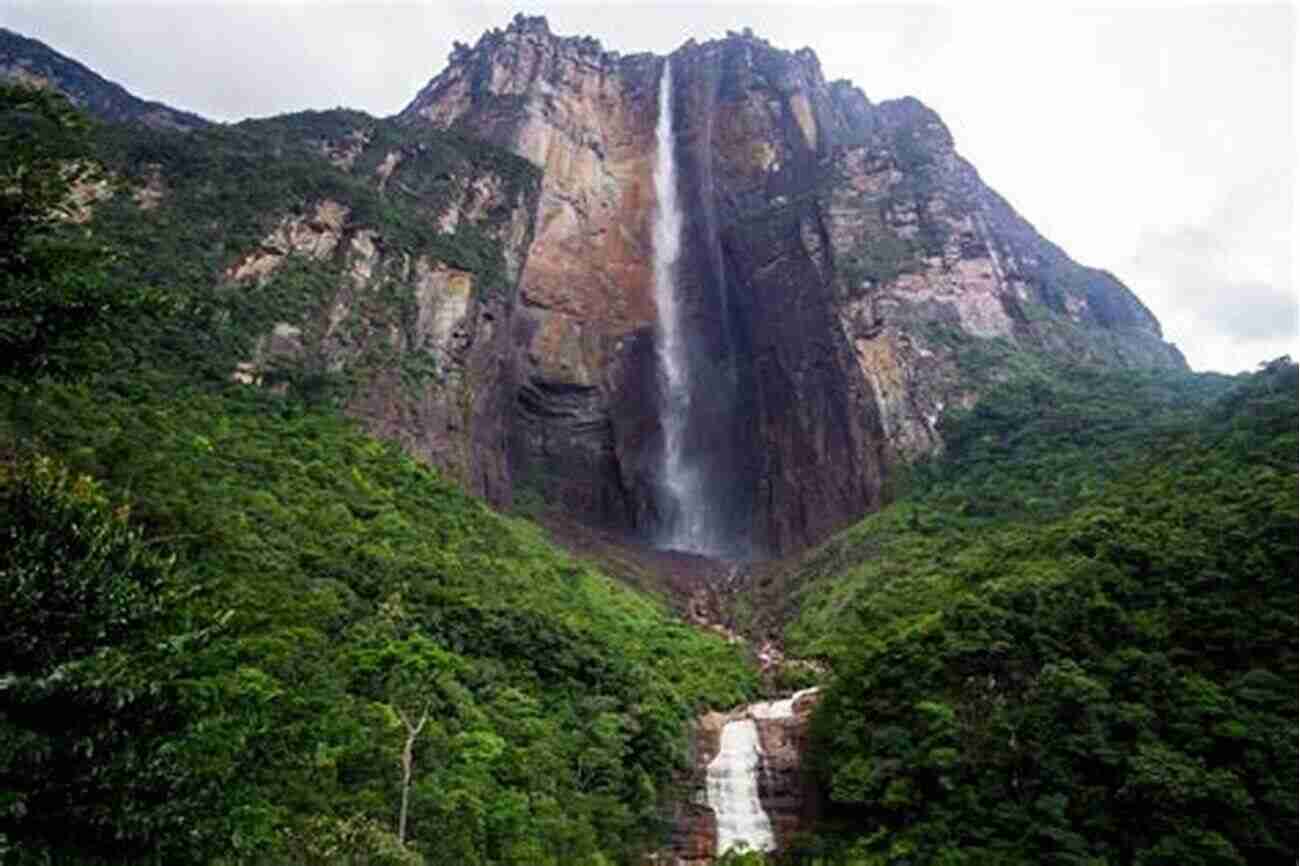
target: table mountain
845 275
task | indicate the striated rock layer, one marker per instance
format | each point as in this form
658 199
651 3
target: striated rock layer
426 343
841 265
586 420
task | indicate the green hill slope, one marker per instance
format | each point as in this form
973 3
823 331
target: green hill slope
1074 640
562 698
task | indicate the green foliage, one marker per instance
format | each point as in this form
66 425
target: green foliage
883 257
89 701
42 138
1032 447
914 156
76 577
739 856
55 298
219 191
363 585
1074 640
884 254
910 151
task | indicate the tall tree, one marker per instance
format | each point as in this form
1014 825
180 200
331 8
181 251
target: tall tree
412 679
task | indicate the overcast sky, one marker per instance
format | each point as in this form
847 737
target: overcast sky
1159 144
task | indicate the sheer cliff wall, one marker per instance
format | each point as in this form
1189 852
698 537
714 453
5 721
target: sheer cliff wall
846 277
841 263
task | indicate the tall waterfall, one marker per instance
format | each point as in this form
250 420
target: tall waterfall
684 513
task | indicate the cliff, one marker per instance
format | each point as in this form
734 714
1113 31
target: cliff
845 272
389 286
845 277
331 255
415 335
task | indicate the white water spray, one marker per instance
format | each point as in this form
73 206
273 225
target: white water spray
782 709
683 509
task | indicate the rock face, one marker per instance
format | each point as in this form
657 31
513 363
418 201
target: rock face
425 343
941 281
787 791
845 277
841 265
586 407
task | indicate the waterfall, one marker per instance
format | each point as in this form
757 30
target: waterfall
732 790
685 517
782 709
731 779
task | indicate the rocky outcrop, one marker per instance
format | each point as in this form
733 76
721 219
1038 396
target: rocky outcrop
586 407
419 344
941 280
787 790
785 431
844 273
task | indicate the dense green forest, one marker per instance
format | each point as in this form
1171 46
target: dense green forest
1074 639
240 631
319 592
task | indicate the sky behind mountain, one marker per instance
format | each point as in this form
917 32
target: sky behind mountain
1159 144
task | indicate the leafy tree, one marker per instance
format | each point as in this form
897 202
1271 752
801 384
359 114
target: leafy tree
413 679
87 703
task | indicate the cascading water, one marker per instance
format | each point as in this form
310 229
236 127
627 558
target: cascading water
731 780
782 709
731 788
684 512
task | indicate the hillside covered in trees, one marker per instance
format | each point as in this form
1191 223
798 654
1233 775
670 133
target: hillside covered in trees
1074 639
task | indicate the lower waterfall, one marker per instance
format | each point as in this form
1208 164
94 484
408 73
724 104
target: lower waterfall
732 790
731 781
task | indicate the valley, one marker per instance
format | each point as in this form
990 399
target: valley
610 459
